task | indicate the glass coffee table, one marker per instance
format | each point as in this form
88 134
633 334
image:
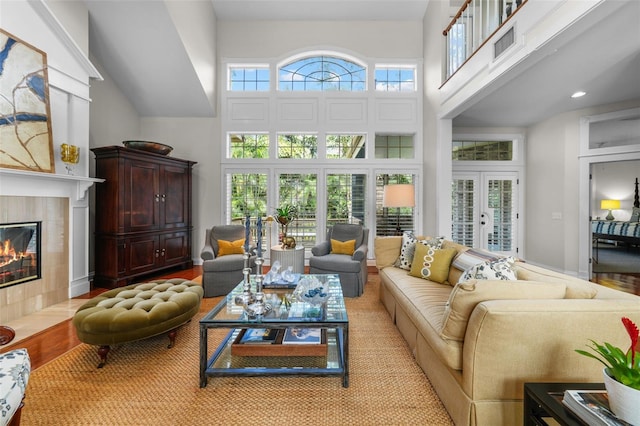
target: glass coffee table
282 356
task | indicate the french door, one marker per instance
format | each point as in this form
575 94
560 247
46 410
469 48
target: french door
484 210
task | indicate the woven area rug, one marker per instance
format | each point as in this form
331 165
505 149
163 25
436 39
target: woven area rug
144 383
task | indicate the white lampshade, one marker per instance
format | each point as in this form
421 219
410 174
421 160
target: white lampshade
399 195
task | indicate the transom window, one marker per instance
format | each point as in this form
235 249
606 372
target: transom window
322 73
482 150
346 146
395 79
249 79
248 145
297 146
394 146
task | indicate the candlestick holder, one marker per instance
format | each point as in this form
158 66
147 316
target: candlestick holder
259 307
247 297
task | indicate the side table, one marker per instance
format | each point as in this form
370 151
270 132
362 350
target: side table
289 257
544 400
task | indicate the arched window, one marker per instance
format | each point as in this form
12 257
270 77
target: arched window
322 73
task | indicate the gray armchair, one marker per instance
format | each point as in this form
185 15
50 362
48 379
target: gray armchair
351 269
220 274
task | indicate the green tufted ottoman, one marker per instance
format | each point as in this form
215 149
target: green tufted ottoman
136 312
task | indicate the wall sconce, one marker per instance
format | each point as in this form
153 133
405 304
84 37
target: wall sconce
397 196
610 205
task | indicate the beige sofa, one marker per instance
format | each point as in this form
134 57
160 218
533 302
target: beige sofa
479 348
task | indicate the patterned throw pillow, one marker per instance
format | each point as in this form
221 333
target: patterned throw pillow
408 248
472 257
432 264
494 270
230 247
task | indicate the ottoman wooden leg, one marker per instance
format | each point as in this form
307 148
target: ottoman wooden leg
172 337
102 352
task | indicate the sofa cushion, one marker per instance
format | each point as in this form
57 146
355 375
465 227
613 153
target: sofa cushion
432 264
499 269
343 247
576 288
423 302
407 249
472 257
230 247
467 295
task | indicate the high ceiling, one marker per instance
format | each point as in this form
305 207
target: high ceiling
143 46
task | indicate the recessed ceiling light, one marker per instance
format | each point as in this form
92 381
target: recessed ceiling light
578 94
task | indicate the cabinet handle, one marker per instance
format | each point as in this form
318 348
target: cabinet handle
157 198
164 198
157 253
162 253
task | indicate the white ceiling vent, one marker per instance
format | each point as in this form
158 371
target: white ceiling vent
503 43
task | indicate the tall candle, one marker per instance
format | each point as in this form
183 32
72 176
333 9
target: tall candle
247 230
259 236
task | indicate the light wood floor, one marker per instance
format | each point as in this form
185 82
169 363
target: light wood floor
49 333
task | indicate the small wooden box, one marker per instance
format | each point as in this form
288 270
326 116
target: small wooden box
277 348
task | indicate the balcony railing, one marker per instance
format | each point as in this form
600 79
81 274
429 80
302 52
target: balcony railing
474 23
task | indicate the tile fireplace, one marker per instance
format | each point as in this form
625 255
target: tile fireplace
19 253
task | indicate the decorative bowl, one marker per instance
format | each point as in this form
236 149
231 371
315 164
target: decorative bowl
155 147
311 290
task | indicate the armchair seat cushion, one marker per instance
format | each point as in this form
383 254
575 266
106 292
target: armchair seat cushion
336 263
230 262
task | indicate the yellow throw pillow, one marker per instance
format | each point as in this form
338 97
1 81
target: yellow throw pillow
343 247
230 247
432 264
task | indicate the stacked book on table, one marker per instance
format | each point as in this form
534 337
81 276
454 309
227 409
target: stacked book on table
592 407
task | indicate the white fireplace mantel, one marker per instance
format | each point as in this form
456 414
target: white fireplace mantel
37 184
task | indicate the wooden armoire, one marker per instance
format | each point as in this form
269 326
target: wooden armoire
142 214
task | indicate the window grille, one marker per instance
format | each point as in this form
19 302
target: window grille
394 146
482 150
395 79
322 73
346 146
297 146
249 79
346 198
248 145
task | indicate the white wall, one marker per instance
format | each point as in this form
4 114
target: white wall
266 39
194 139
614 181
552 201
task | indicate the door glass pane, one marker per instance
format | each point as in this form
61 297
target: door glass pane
248 195
346 198
500 193
300 190
463 212
393 220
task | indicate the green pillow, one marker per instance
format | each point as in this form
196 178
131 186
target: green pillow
432 264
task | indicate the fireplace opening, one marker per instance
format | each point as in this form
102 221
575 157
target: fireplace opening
19 253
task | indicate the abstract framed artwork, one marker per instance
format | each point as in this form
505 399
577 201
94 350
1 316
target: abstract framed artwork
26 141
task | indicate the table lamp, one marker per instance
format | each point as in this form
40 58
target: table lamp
397 196
609 205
